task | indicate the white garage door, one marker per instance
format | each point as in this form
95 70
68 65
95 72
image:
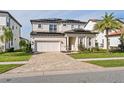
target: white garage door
48 46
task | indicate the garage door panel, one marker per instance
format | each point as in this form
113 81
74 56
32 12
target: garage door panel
48 46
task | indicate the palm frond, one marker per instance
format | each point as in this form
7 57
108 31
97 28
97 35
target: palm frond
7 34
108 22
2 38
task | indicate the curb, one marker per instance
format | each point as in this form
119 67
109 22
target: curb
47 73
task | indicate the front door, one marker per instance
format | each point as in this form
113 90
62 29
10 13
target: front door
72 42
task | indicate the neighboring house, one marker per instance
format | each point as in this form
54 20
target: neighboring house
114 38
60 35
7 20
101 37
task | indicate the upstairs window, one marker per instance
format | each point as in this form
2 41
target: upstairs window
64 24
12 27
52 28
79 26
39 25
8 24
72 26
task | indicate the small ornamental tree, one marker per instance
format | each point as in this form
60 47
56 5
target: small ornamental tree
23 45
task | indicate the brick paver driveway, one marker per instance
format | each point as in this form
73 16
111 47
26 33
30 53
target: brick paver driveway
52 62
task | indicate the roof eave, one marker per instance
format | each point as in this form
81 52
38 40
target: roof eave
11 17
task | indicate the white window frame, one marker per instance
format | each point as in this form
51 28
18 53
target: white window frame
72 26
41 26
52 27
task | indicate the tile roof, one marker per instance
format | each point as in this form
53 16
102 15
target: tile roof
115 33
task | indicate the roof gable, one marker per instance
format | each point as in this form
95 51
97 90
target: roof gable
11 17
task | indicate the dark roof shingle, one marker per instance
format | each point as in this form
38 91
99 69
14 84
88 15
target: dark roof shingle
58 20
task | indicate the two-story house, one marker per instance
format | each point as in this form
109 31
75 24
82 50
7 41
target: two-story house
60 35
7 20
114 36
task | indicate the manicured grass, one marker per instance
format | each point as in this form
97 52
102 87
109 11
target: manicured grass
96 55
108 63
14 56
5 68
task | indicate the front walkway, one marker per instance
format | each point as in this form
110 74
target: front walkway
93 59
7 63
52 62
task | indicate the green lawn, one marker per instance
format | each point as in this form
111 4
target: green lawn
5 68
108 63
14 56
96 55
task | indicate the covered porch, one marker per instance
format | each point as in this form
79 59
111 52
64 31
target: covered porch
80 38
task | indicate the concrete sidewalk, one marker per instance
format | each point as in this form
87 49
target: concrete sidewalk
92 59
49 73
7 63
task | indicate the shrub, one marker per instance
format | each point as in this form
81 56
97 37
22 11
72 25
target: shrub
81 47
22 44
25 46
121 46
28 48
18 50
10 50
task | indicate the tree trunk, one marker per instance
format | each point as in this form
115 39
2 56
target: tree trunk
5 46
107 40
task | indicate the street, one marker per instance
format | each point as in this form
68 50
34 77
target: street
89 77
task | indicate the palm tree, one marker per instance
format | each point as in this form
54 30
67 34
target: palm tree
108 23
7 35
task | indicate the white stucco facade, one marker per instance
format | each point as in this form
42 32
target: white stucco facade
60 27
101 37
61 37
6 20
114 41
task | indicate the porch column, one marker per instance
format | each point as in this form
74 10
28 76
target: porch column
93 42
76 43
85 41
67 43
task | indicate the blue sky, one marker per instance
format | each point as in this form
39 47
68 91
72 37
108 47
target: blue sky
24 16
